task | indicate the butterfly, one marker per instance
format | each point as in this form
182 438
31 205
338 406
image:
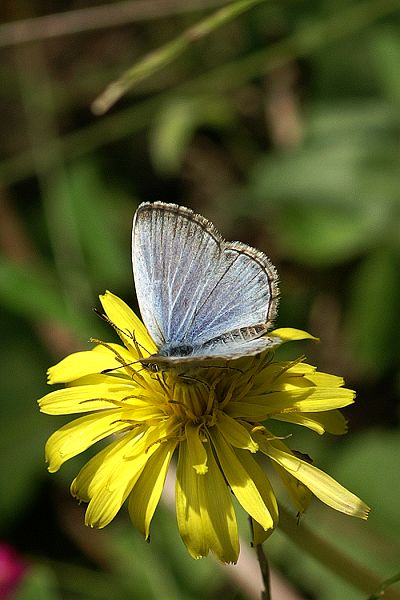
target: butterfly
200 297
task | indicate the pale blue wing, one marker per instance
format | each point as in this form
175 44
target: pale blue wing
169 250
245 295
223 349
191 285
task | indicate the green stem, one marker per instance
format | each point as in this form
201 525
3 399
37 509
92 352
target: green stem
301 43
331 557
92 18
384 586
164 55
264 568
221 79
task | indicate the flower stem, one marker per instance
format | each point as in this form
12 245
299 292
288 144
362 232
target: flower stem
164 55
332 557
264 568
383 587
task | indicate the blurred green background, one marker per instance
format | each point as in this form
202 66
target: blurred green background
283 127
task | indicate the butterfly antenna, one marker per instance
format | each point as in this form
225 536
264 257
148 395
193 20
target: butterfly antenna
111 369
117 355
121 332
104 317
291 364
138 347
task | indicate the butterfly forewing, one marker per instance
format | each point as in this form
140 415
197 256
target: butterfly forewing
169 253
192 286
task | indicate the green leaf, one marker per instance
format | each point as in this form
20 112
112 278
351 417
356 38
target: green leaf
179 577
336 195
385 55
369 464
324 235
374 304
39 582
104 230
31 292
23 430
175 124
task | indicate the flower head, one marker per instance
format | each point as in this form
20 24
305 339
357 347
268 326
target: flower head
214 417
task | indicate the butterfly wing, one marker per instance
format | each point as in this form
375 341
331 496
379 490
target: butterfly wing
192 286
168 251
218 352
244 296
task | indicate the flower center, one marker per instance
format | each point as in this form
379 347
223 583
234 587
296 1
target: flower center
190 399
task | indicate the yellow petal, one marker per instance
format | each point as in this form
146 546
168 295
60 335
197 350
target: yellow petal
273 375
322 485
84 398
331 421
240 481
297 400
297 367
112 485
289 334
218 515
188 514
235 434
300 495
79 364
103 463
76 436
144 497
128 326
267 493
291 380
197 452
204 509
324 379
90 380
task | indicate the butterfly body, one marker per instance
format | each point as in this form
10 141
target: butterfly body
201 298
176 349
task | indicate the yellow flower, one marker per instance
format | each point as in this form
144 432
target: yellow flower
213 416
